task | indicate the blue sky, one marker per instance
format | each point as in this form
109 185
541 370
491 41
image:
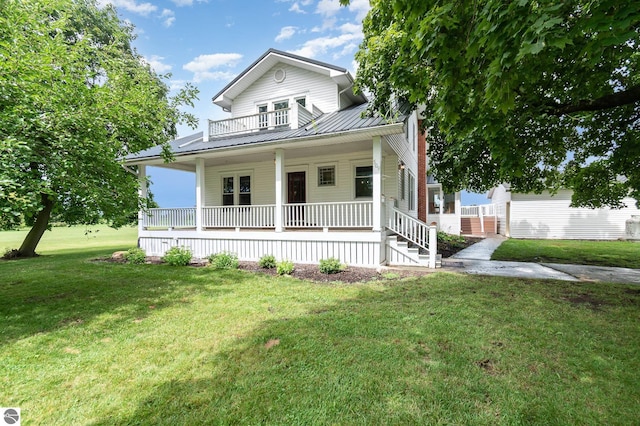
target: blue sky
209 42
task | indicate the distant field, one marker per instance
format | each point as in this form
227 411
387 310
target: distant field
72 238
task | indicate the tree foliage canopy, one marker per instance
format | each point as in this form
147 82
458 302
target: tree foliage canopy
75 97
538 94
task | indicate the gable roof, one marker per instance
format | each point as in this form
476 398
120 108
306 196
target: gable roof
349 120
270 58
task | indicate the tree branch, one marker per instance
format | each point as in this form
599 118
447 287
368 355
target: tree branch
629 96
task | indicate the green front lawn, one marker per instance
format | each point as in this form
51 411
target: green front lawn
100 343
625 254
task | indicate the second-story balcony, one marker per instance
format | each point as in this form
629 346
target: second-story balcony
286 118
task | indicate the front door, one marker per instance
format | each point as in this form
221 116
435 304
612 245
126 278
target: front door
296 194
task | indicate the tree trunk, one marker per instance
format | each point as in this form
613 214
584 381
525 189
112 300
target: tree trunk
28 247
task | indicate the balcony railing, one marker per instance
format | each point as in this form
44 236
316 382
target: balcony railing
294 118
357 214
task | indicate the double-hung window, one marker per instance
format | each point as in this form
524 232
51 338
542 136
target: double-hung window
412 192
236 190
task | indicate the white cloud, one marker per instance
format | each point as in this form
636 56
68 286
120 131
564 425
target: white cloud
360 8
296 8
177 84
181 3
350 28
133 6
157 65
322 45
328 8
168 16
202 66
285 33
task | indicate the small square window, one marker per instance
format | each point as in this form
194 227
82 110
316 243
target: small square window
327 176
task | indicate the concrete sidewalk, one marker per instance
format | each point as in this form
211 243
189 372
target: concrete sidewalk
476 260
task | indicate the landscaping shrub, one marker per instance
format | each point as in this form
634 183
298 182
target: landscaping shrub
285 267
454 240
135 255
177 256
224 260
268 261
331 266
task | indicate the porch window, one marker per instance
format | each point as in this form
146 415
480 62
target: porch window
412 192
327 176
243 189
434 200
244 199
402 185
449 204
281 113
364 181
227 191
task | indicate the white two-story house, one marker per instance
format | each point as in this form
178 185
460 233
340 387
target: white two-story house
297 172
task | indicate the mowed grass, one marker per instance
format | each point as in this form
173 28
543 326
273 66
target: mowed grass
90 342
64 238
625 254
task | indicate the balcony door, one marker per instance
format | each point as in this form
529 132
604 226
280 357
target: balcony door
296 194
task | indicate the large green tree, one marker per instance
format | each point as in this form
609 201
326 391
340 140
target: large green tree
538 94
75 97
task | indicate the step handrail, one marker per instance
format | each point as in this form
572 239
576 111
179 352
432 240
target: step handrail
408 227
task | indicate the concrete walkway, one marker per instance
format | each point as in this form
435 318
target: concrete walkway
476 260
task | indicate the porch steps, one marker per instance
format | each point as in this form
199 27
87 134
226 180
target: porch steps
400 252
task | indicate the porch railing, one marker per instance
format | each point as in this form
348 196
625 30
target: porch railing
239 216
169 218
358 214
478 211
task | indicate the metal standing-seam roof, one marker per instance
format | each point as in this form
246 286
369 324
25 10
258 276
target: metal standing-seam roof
349 119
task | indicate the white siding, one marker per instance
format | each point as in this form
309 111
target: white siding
263 178
357 249
499 198
546 216
406 151
319 90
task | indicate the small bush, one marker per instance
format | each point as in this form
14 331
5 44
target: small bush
454 240
135 256
267 261
331 266
224 260
177 256
285 267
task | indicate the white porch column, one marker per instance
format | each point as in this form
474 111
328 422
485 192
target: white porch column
377 183
142 193
200 171
280 181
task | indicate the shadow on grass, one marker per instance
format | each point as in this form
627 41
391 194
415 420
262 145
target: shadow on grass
51 292
441 349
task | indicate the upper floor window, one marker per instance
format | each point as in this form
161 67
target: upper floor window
263 118
302 101
281 116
